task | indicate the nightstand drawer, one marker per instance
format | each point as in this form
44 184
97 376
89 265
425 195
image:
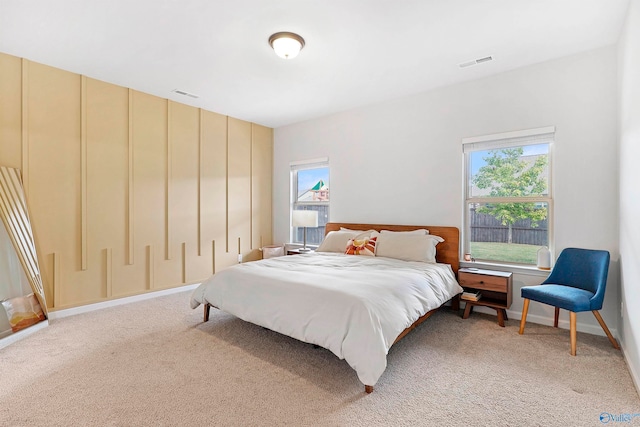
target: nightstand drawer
484 282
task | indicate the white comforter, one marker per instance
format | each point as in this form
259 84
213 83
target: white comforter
355 306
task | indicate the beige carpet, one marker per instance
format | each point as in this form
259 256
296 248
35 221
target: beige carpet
155 363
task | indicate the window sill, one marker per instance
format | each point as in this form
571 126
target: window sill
516 269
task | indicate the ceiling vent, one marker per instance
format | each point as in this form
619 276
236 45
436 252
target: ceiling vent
476 61
182 92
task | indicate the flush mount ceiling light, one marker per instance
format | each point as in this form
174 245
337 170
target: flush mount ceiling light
286 45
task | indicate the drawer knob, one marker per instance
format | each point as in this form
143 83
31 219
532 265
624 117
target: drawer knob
482 282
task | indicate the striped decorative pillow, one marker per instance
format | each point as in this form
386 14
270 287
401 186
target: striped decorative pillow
363 246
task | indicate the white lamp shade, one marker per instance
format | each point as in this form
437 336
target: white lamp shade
304 218
286 48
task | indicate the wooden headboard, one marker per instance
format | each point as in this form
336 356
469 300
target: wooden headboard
447 252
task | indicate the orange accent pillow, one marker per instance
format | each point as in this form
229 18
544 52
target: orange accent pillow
366 246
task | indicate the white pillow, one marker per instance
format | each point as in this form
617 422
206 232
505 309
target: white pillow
420 231
336 241
355 231
408 247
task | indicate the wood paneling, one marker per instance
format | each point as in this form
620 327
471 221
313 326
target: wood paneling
53 190
83 173
150 266
150 186
129 192
107 140
183 206
239 186
10 111
25 124
168 226
213 189
108 272
56 287
261 172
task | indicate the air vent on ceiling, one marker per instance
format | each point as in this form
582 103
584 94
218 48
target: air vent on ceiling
182 92
476 61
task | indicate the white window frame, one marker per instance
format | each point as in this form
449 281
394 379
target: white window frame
295 167
498 141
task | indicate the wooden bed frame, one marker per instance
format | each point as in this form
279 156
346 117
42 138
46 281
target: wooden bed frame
447 252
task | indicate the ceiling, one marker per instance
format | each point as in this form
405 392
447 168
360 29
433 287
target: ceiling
357 52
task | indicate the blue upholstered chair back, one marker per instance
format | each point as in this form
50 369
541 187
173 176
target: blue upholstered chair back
584 269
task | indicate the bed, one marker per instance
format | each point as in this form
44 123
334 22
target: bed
355 306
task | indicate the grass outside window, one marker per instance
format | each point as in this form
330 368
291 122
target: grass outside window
505 252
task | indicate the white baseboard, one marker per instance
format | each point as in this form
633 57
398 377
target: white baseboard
634 373
17 336
59 314
548 321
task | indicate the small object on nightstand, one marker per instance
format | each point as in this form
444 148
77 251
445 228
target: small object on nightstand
544 258
471 296
494 286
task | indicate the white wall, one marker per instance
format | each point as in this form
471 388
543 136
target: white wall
629 66
401 161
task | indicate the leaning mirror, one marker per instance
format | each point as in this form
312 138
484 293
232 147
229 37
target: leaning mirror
21 290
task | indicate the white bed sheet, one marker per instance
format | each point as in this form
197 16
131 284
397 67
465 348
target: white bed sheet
355 306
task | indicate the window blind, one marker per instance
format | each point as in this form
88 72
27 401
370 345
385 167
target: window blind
509 139
309 164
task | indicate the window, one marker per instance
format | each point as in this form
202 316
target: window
508 203
310 191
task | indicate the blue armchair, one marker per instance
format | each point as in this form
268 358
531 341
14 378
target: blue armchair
576 283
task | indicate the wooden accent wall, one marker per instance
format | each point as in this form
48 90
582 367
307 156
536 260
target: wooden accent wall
128 192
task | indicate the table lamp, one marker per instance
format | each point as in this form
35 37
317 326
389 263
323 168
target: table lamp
304 219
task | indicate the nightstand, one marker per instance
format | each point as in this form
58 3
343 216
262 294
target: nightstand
296 251
495 287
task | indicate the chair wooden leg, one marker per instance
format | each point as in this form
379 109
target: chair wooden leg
207 308
368 389
523 319
572 331
606 330
555 317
